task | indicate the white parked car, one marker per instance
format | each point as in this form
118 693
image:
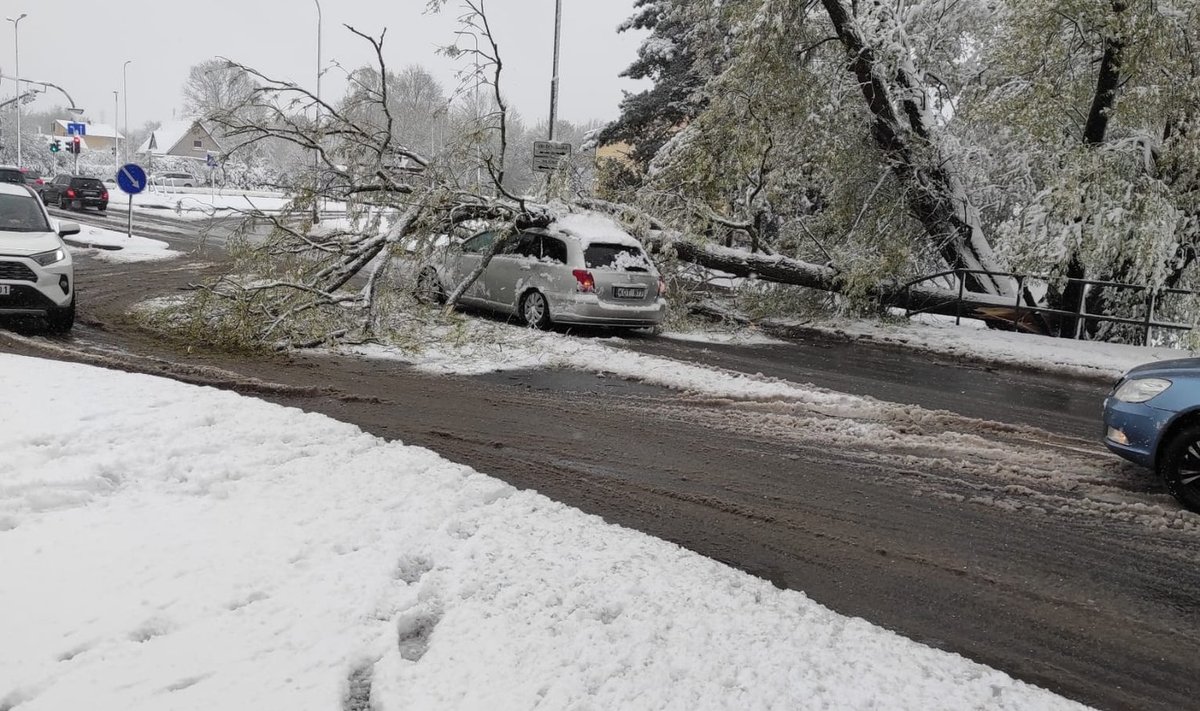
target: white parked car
582 269
37 277
176 180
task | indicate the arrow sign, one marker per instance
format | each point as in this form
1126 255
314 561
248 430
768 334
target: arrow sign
131 178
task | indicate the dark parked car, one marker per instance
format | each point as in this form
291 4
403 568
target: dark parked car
71 192
1152 418
11 174
33 179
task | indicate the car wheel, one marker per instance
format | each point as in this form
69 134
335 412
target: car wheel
61 320
1179 466
535 311
62 203
429 288
187 185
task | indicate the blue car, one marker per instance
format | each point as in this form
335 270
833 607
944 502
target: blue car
1152 418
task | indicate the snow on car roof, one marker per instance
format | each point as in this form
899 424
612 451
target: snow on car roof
594 228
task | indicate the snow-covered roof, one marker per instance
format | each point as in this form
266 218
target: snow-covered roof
594 228
94 130
168 135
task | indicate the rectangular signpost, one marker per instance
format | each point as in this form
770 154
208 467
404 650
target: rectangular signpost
549 155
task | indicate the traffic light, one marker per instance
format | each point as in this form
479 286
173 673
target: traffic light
55 146
75 145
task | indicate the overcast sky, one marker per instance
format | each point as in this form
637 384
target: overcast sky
82 45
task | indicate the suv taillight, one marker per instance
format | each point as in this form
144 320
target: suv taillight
70 193
587 282
662 287
104 196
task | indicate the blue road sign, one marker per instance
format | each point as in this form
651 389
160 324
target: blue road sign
131 178
76 129
211 161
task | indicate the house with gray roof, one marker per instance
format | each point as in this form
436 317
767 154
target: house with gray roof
183 139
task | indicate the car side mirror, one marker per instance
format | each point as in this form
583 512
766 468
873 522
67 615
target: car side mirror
66 229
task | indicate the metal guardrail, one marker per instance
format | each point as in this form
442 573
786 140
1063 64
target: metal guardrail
1153 299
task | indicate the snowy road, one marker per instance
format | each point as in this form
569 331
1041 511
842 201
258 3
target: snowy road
1023 547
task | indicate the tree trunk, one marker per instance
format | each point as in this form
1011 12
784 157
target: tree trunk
1104 102
1107 83
994 309
938 197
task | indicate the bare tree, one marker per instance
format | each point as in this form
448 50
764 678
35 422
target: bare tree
216 87
306 284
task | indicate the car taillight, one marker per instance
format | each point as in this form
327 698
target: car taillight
39 181
104 196
587 282
70 193
662 287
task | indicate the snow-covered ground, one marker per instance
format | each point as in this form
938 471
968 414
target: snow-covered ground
165 546
201 204
111 246
941 335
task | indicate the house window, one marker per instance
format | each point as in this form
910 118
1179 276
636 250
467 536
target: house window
198 143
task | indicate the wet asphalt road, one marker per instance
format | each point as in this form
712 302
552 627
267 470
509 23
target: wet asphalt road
1054 403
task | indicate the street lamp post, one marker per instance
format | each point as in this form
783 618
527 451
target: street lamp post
554 78
17 47
116 134
125 92
317 153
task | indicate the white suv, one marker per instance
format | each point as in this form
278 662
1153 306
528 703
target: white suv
37 277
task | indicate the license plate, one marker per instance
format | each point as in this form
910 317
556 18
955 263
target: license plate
5 289
629 292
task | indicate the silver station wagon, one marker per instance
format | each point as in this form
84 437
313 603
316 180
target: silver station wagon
583 269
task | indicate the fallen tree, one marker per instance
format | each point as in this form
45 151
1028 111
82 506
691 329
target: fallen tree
997 310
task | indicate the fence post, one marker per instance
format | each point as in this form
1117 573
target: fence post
1080 309
1020 291
1151 298
962 282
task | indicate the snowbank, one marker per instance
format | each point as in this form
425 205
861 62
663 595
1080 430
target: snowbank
111 246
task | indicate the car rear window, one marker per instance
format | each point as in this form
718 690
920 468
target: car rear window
87 183
11 176
616 256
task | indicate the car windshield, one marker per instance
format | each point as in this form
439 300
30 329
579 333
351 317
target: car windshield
20 213
479 243
623 257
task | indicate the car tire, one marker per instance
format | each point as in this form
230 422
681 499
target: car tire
187 185
61 320
535 311
1179 466
62 203
429 288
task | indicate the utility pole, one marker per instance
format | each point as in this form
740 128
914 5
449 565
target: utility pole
317 153
116 134
554 78
17 47
125 91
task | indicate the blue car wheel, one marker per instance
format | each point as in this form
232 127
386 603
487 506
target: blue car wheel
1179 466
